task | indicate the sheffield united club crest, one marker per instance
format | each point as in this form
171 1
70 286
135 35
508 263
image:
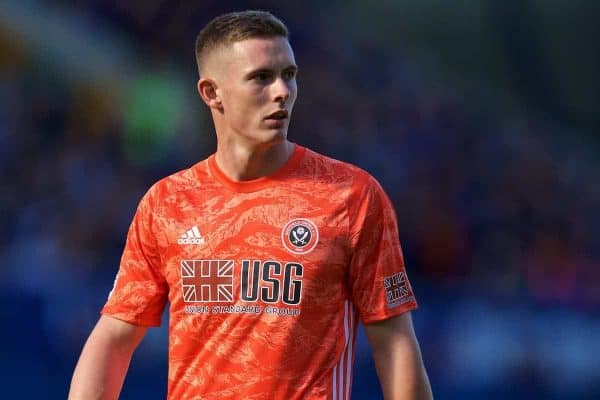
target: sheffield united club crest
300 236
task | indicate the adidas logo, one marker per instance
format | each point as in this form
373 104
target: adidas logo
192 236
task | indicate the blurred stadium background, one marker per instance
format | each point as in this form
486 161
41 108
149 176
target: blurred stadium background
480 119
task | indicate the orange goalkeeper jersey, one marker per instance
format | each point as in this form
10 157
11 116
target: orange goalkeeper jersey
266 279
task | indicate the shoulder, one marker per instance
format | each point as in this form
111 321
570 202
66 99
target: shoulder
360 188
331 169
183 180
357 184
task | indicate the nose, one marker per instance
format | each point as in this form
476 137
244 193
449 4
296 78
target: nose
281 90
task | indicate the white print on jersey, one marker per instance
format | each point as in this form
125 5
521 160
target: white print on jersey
192 236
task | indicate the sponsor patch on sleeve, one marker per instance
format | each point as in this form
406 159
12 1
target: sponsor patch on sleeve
397 290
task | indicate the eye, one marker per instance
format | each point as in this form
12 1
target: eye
261 76
289 74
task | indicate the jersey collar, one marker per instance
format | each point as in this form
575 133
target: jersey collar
260 183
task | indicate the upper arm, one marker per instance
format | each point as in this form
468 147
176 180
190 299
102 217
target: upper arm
105 358
378 281
398 358
140 291
120 335
391 332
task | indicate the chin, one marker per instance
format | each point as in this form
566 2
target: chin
274 136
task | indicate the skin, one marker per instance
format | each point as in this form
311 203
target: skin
243 84
398 359
105 359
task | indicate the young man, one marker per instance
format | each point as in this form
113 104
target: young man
268 252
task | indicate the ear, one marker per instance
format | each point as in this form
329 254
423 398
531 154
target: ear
207 89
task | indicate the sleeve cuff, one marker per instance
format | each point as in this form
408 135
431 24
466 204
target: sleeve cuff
389 313
132 319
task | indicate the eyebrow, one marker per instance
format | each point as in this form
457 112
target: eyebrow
291 67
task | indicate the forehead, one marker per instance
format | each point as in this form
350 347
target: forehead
261 53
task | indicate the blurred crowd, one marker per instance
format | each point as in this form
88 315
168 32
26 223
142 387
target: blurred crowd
498 210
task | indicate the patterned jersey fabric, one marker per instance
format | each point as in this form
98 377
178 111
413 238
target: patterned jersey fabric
266 279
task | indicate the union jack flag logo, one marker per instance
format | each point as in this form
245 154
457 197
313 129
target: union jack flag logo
207 280
397 290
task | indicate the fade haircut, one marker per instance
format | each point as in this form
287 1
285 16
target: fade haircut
229 28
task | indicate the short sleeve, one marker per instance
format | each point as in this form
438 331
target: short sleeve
379 285
140 291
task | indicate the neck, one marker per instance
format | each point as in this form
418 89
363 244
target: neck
244 163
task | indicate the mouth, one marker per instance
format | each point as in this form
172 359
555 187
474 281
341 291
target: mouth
278 115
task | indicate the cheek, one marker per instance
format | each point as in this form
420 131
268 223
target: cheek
243 105
242 111
237 104
293 91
